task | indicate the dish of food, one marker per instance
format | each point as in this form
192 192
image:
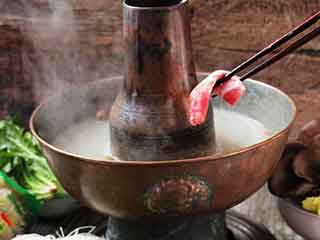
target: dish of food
297 184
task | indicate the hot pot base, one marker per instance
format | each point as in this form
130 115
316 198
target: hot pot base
210 227
239 227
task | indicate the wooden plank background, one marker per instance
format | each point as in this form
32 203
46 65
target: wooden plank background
225 32
42 51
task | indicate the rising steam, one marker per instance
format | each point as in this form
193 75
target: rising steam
64 48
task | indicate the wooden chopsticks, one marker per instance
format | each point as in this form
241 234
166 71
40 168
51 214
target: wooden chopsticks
273 46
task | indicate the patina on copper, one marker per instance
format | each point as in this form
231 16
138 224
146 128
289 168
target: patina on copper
174 195
149 118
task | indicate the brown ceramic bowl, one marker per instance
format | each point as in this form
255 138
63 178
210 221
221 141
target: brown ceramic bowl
303 222
159 190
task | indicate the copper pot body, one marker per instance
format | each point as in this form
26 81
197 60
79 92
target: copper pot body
161 190
149 118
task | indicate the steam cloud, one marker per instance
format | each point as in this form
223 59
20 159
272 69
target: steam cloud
63 48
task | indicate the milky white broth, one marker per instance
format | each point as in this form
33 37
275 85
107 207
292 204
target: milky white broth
91 138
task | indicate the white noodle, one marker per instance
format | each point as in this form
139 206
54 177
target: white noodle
74 235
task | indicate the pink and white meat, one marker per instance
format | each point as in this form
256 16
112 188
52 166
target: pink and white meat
230 91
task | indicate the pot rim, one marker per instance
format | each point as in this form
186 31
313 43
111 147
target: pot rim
167 162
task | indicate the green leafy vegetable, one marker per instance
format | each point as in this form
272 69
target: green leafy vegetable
22 159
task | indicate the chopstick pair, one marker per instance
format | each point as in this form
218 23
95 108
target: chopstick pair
273 46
